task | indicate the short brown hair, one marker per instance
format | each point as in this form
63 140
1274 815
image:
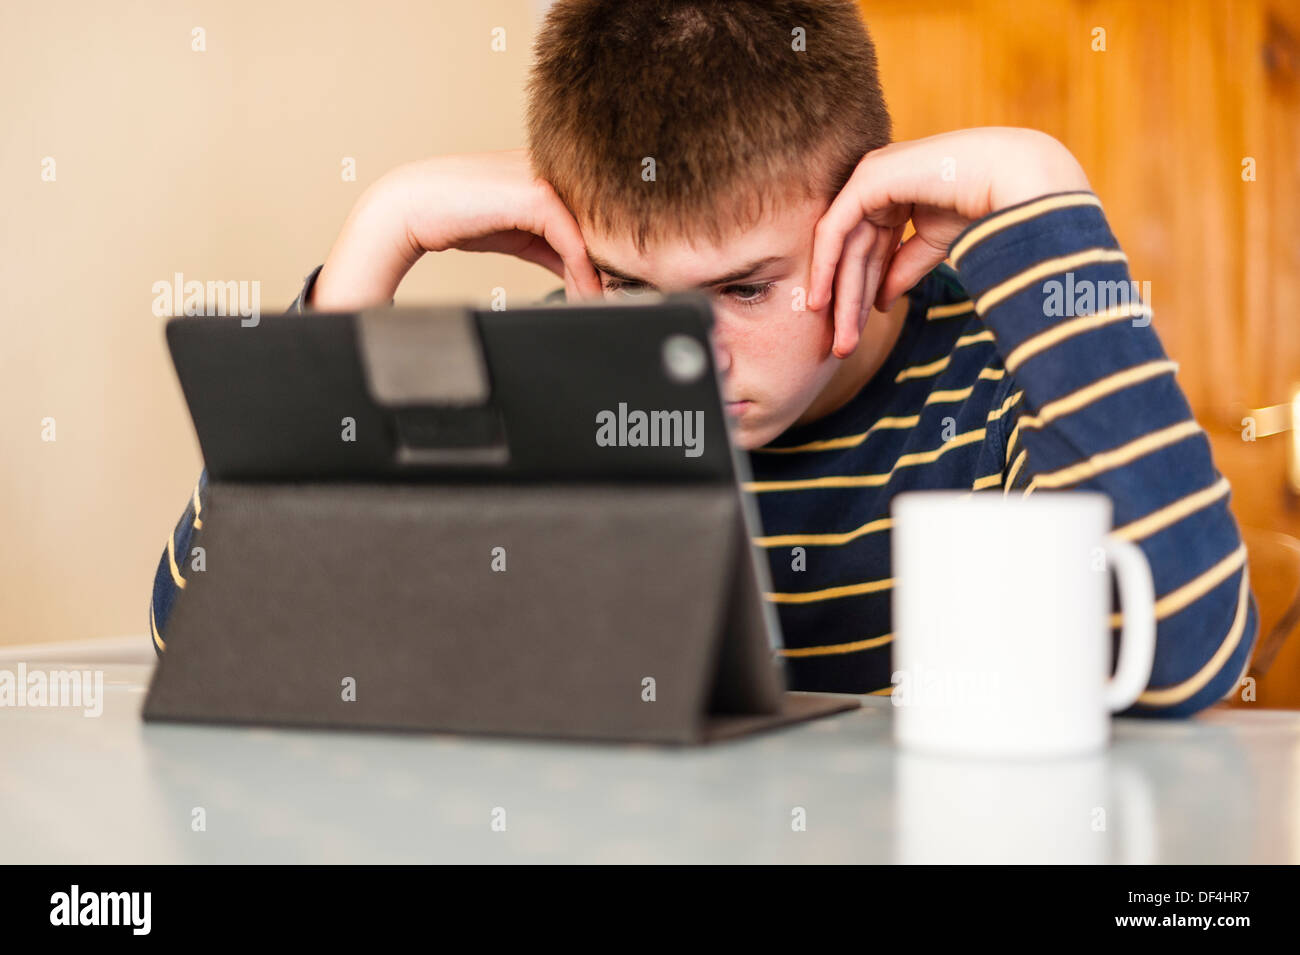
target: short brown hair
716 92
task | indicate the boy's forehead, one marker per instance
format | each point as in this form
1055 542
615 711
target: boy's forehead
784 234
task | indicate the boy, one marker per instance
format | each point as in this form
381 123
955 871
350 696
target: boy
743 149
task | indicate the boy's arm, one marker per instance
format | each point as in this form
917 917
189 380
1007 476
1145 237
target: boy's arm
176 561
1102 411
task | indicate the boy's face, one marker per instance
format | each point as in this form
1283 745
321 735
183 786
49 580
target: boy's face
774 360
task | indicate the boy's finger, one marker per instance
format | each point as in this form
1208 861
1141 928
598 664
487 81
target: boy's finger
850 288
585 279
911 263
561 231
840 219
882 252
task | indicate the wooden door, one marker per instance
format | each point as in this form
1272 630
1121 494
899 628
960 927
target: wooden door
1186 116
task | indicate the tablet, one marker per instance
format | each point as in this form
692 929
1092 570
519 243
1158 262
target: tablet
591 392
524 522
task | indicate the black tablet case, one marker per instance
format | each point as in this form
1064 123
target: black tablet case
352 583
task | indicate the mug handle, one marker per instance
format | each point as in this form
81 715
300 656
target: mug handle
1137 639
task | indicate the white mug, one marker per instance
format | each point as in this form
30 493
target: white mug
1001 612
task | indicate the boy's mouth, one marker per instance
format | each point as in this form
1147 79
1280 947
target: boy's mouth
738 407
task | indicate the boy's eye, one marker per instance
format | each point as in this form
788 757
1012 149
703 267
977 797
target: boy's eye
630 289
749 294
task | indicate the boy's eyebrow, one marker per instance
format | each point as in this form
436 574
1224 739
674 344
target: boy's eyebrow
743 272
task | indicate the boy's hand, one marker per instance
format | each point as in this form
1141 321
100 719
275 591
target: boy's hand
942 184
488 202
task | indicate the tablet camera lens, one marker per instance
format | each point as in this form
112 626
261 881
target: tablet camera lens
684 359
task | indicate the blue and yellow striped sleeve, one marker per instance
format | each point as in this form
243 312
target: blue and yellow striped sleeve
1101 410
175 564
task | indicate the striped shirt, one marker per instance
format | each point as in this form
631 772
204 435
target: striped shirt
1009 376
998 384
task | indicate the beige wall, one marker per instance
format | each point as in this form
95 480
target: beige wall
225 165
222 165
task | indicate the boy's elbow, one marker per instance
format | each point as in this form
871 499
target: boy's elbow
1220 676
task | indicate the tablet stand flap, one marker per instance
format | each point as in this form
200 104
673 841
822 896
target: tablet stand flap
589 611
422 356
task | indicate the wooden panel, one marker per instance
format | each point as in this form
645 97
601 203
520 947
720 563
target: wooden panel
1275 580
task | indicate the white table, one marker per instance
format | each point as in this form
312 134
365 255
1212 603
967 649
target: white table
1222 788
